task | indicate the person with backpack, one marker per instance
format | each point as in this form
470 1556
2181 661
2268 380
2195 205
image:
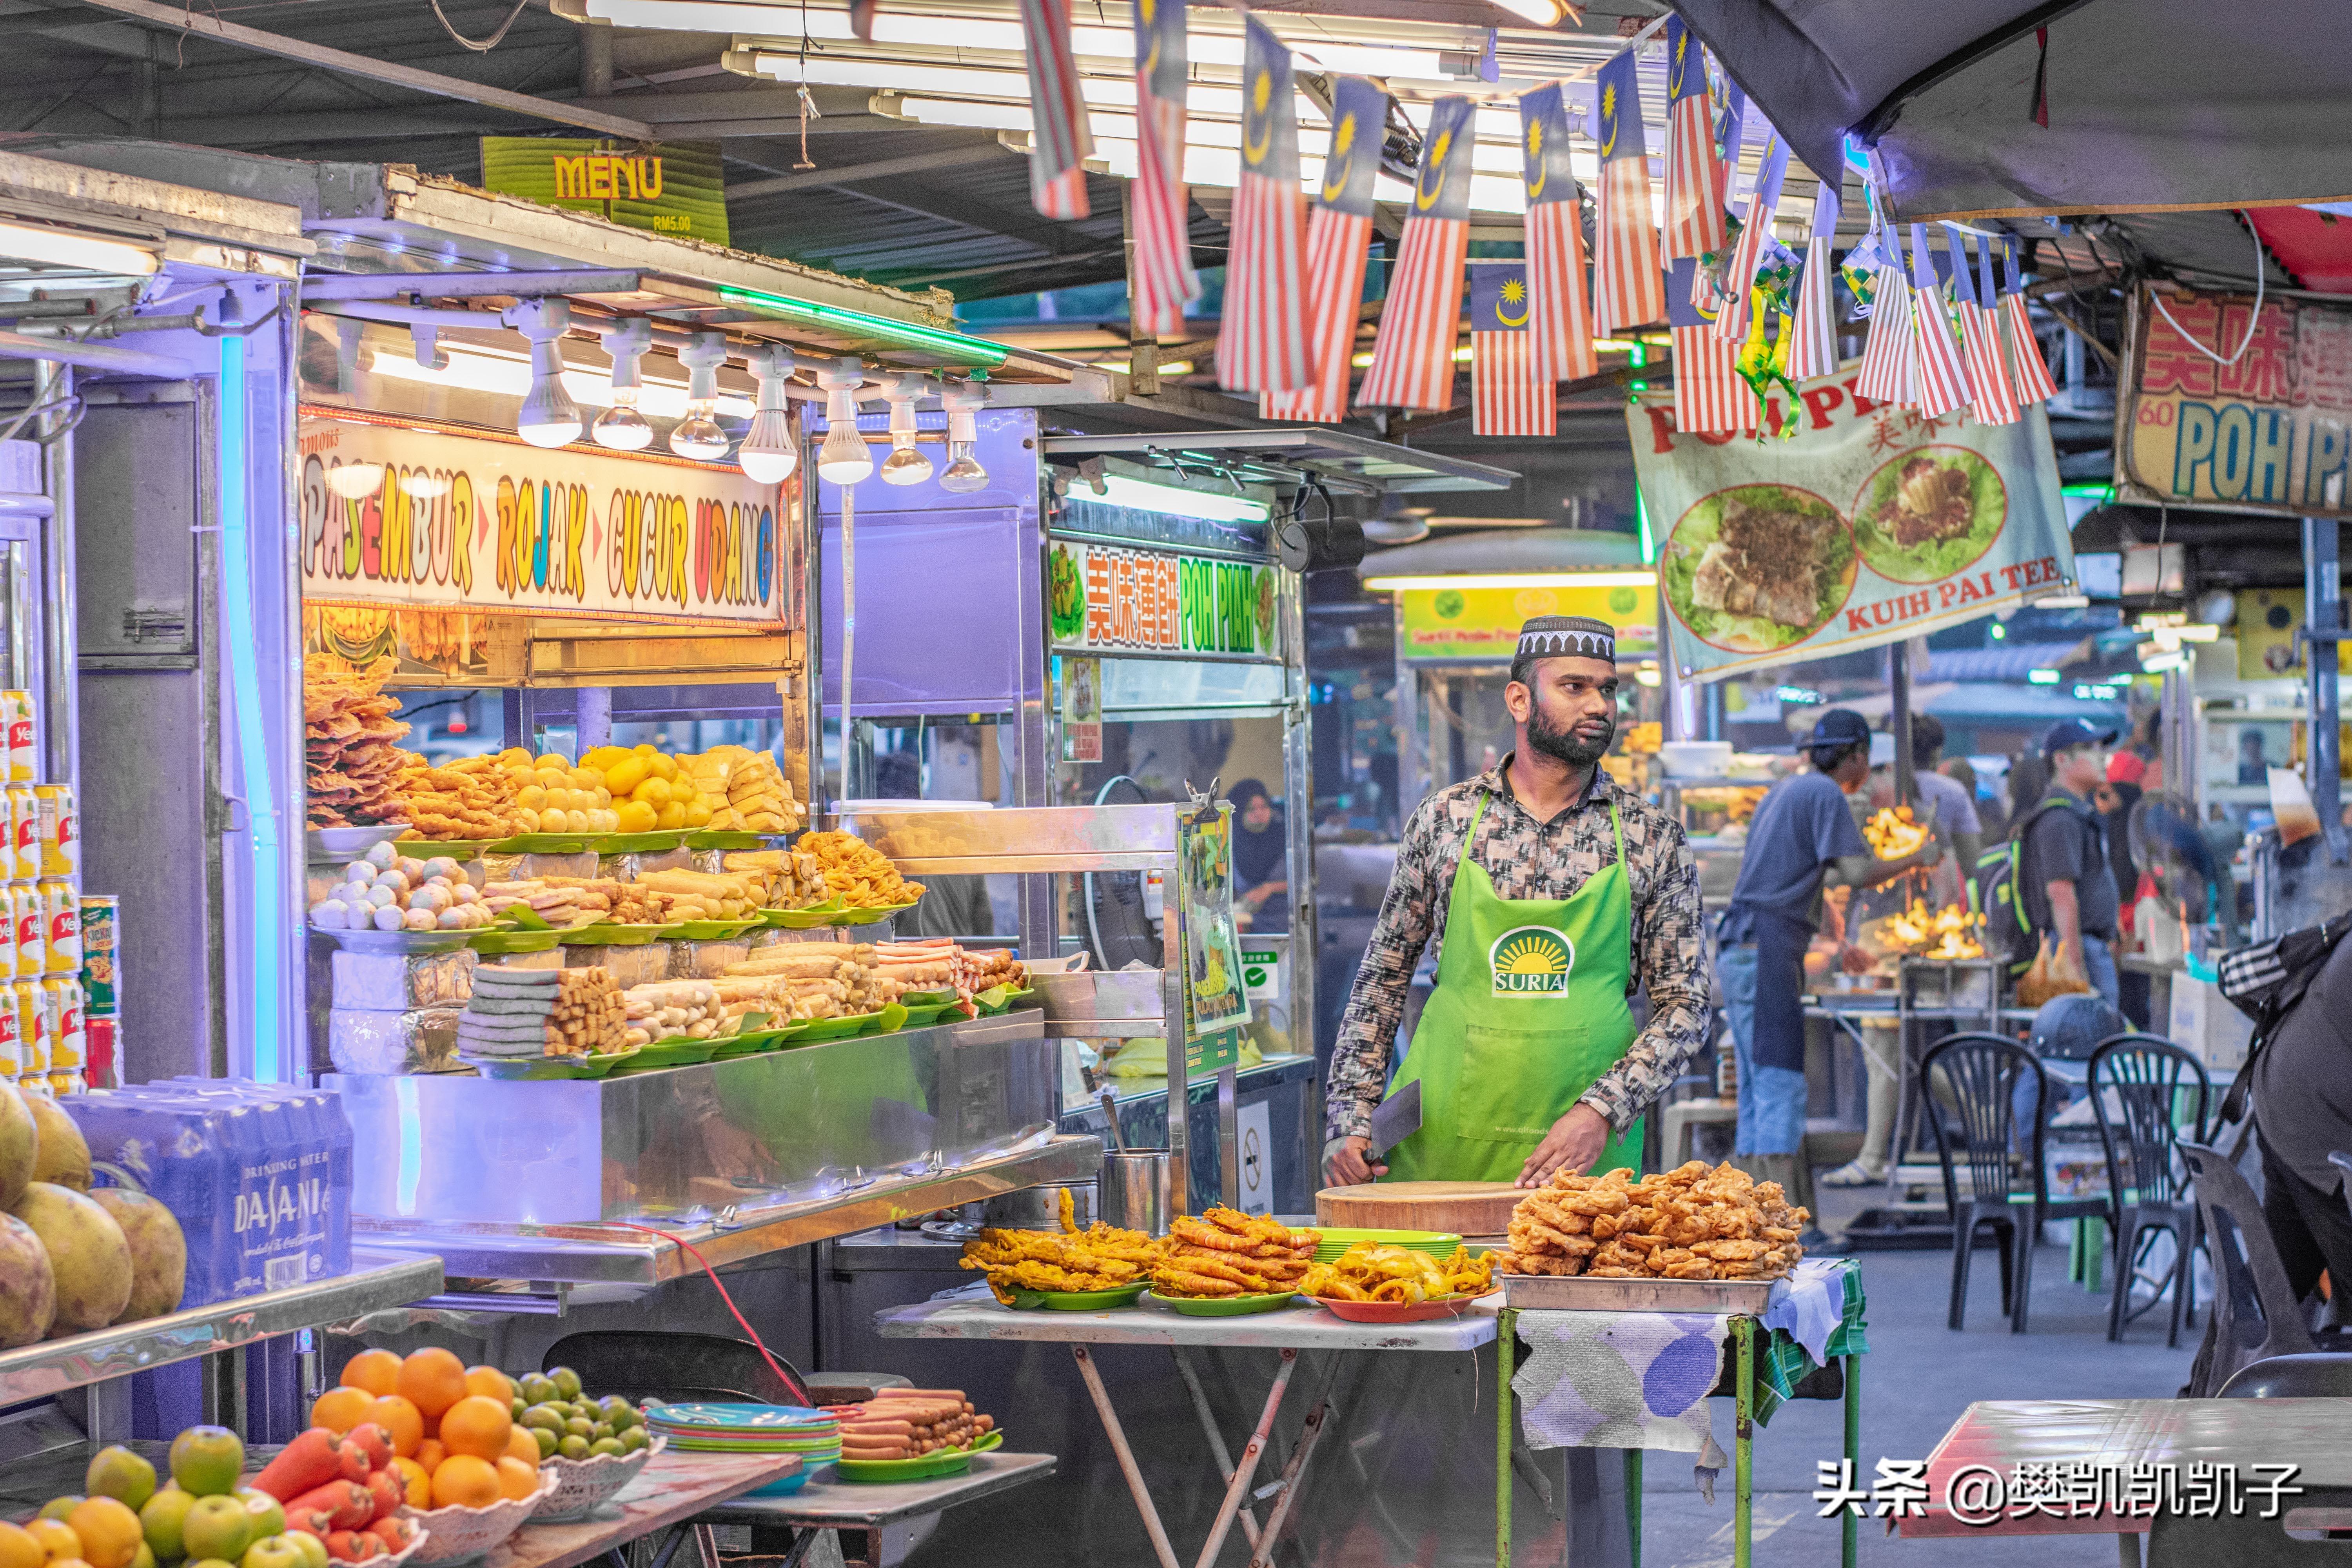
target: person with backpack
2064 882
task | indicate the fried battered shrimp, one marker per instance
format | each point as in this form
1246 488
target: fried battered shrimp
1073 1260
1224 1252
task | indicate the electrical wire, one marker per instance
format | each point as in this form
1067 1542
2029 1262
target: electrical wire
494 40
799 1390
2253 321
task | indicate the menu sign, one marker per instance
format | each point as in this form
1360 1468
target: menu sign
1113 599
1483 623
424 517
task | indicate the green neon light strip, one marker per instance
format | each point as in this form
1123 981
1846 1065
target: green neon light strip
978 351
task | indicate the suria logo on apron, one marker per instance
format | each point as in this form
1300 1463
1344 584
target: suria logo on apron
1531 960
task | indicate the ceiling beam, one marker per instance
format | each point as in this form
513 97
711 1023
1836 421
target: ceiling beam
946 157
929 201
206 26
75 26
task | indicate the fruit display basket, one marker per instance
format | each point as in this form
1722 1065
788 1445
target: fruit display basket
461 1534
581 1485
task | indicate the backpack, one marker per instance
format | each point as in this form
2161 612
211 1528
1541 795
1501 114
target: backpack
2265 982
1996 894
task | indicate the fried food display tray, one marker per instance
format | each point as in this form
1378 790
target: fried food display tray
1581 1293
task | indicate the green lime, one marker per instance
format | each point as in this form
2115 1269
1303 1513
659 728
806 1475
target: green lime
519 1407
619 1413
634 1438
603 1429
546 1416
567 1381
606 1445
538 1388
57 1508
580 1427
546 1442
573 1447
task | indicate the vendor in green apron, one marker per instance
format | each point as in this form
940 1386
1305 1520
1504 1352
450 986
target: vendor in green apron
1551 896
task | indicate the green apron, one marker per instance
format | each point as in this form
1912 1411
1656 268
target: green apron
1529 1011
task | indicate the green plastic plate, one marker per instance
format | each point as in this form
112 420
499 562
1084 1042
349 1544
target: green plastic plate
927 1014
543 844
707 930
725 838
835 1028
926 998
519 1068
814 915
603 1066
872 914
1222 1306
948 1462
497 943
1079 1300
639 843
1336 1239
747 1044
610 933
448 848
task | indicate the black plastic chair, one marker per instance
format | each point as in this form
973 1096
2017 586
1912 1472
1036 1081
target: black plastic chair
2255 1316
2149 1077
676 1368
2323 1374
1982 1071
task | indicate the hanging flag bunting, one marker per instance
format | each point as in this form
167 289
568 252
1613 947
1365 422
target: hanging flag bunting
1058 175
1889 362
1412 359
1161 268
1694 173
1755 234
1996 398
1339 241
1729 125
1628 289
1709 396
1813 345
1507 394
1943 379
1262 343
2033 382
1559 330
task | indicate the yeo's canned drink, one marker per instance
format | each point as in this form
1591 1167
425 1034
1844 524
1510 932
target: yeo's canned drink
27 932
61 1012
23 763
60 928
57 825
32 1025
65 1083
101 915
24 833
12 1049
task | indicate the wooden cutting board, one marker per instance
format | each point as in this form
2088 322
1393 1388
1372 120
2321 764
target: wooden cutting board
1465 1209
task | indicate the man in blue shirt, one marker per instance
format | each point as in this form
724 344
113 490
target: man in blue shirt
1802 830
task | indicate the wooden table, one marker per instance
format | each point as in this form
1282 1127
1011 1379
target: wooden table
669 1493
887 1517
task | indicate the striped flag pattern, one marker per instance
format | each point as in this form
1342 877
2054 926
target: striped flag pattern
1710 397
1559 326
1889 360
1339 241
1508 394
1058 175
1262 342
1694 173
1162 268
1996 396
1755 234
1943 379
2033 382
1412 358
1812 343
1628 287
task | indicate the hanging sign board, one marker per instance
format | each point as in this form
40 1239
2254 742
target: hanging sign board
1460 625
429 518
1214 998
1869 525
1082 713
1109 598
672 188
2266 432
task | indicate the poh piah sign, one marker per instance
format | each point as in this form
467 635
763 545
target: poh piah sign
1867 524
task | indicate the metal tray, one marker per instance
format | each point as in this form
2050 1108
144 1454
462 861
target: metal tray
1551 1292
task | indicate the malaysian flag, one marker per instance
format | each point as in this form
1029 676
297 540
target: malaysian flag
1996 401
1412 358
1812 342
1889 363
1262 343
1339 240
1755 234
1559 330
1709 395
1064 141
1628 289
2033 382
1694 173
1943 379
1160 270
1508 396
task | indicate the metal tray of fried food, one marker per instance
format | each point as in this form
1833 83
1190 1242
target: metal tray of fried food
1583 1293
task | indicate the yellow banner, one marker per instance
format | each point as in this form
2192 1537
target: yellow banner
1484 623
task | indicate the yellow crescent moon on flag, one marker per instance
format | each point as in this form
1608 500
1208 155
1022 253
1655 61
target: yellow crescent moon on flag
1535 160
1343 140
1502 295
1435 157
1261 95
1608 120
1675 69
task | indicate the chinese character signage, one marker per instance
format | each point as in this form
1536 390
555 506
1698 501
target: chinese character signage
1108 598
1869 524
424 519
673 187
1483 623
2266 432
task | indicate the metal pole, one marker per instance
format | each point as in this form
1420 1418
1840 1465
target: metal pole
593 719
2323 619
1171 1000
1849 1524
1299 798
1506 1341
61 624
1237 1489
1743 1498
1142 344
1217 1449
1127 1465
596 59
1898 687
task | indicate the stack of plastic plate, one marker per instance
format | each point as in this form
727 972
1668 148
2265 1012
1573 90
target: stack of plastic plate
1438 1244
717 1428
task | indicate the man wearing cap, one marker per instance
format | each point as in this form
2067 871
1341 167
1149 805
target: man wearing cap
2063 876
1550 894
1801 831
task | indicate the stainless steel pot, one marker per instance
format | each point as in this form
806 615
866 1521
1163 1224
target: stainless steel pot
1137 1191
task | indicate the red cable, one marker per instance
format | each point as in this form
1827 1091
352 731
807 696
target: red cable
798 1389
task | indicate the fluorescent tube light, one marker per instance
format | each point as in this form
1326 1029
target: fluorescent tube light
65 247
1144 496
1514 580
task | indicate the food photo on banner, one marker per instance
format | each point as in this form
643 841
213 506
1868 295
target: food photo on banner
1866 523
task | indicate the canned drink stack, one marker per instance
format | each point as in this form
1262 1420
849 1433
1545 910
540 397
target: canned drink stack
32 1028
61 1013
23 763
58 829
100 917
23 861
98 1039
27 932
60 928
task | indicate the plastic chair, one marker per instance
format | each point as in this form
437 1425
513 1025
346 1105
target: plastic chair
2255 1316
2149 1077
2323 1374
677 1368
2192 1541
1982 1071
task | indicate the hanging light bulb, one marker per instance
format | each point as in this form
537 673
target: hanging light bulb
621 426
548 417
697 435
843 459
769 451
963 473
905 465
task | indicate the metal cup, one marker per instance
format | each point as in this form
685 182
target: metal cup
1137 1191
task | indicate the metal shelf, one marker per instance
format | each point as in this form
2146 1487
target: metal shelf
377 1280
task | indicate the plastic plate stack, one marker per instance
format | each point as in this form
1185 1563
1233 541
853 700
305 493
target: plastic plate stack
1438 1244
717 1428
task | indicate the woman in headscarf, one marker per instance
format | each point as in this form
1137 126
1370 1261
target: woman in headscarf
1260 859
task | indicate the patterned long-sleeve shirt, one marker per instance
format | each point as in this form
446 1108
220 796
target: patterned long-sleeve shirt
1532 859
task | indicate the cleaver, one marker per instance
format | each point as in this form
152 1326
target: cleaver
1396 1119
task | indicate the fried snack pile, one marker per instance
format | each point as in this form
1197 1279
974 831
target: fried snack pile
350 755
1691 1223
1892 833
856 873
787 878
1381 1271
1101 1259
469 799
1228 1253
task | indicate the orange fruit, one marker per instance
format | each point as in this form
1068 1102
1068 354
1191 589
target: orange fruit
476 1425
55 1536
378 1372
400 1422
522 1446
431 1379
430 1453
110 1531
464 1482
340 1409
518 1478
490 1383
415 1482
19 1550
